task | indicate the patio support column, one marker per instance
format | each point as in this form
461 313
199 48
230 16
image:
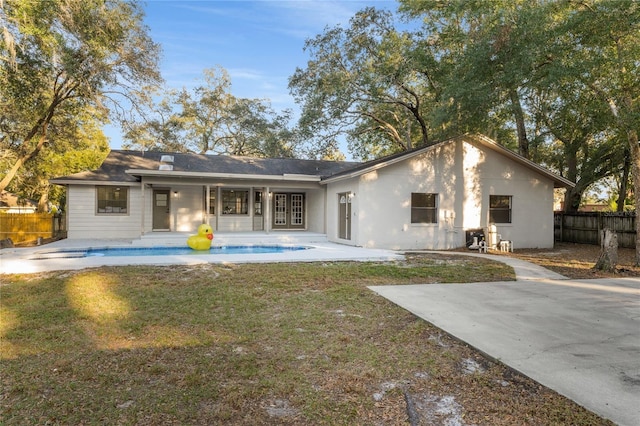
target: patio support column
267 210
218 207
142 207
207 203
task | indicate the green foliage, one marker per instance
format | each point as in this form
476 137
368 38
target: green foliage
60 60
79 147
555 80
365 82
209 119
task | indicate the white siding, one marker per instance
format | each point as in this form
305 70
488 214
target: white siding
187 208
84 222
235 223
315 210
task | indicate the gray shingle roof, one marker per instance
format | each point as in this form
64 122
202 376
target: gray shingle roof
118 162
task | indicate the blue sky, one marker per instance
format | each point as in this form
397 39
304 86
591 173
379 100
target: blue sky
260 43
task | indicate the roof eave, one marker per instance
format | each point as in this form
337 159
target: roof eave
377 166
180 174
92 182
558 181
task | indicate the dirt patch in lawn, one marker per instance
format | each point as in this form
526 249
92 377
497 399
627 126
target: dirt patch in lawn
577 260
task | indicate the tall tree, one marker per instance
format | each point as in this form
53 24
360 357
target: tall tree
587 149
210 119
492 50
507 53
362 82
78 146
160 129
601 51
59 56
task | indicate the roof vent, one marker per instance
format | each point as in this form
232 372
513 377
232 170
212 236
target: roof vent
166 159
165 167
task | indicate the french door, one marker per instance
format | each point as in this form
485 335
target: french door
344 215
288 210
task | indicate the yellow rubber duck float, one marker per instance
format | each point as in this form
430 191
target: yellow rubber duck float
201 241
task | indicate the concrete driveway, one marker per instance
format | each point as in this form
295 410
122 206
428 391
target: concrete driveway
580 338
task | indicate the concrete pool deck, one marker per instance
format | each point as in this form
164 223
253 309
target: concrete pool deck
59 255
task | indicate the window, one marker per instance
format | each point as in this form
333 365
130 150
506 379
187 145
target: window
235 202
112 199
500 208
424 208
257 203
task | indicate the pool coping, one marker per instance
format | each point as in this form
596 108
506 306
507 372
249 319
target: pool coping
21 261
74 253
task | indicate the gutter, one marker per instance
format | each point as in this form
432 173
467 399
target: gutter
92 182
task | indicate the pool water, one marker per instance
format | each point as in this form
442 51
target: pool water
187 251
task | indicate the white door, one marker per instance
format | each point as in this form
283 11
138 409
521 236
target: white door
344 215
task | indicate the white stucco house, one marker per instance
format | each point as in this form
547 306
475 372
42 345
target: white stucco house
428 198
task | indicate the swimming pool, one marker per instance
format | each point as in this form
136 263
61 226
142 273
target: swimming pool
167 251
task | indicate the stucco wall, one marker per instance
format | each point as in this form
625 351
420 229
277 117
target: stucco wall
463 176
384 202
315 210
532 201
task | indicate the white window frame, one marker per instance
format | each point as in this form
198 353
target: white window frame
500 210
108 203
431 210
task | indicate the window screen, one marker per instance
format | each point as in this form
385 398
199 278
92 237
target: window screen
500 208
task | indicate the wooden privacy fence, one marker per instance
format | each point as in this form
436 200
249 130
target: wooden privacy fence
26 227
585 227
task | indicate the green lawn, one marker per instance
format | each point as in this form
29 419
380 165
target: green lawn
250 344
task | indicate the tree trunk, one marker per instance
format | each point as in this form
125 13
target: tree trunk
41 128
608 259
635 171
43 202
6 180
572 198
624 182
518 113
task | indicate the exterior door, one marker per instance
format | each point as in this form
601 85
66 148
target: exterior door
344 215
288 211
258 218
161 209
